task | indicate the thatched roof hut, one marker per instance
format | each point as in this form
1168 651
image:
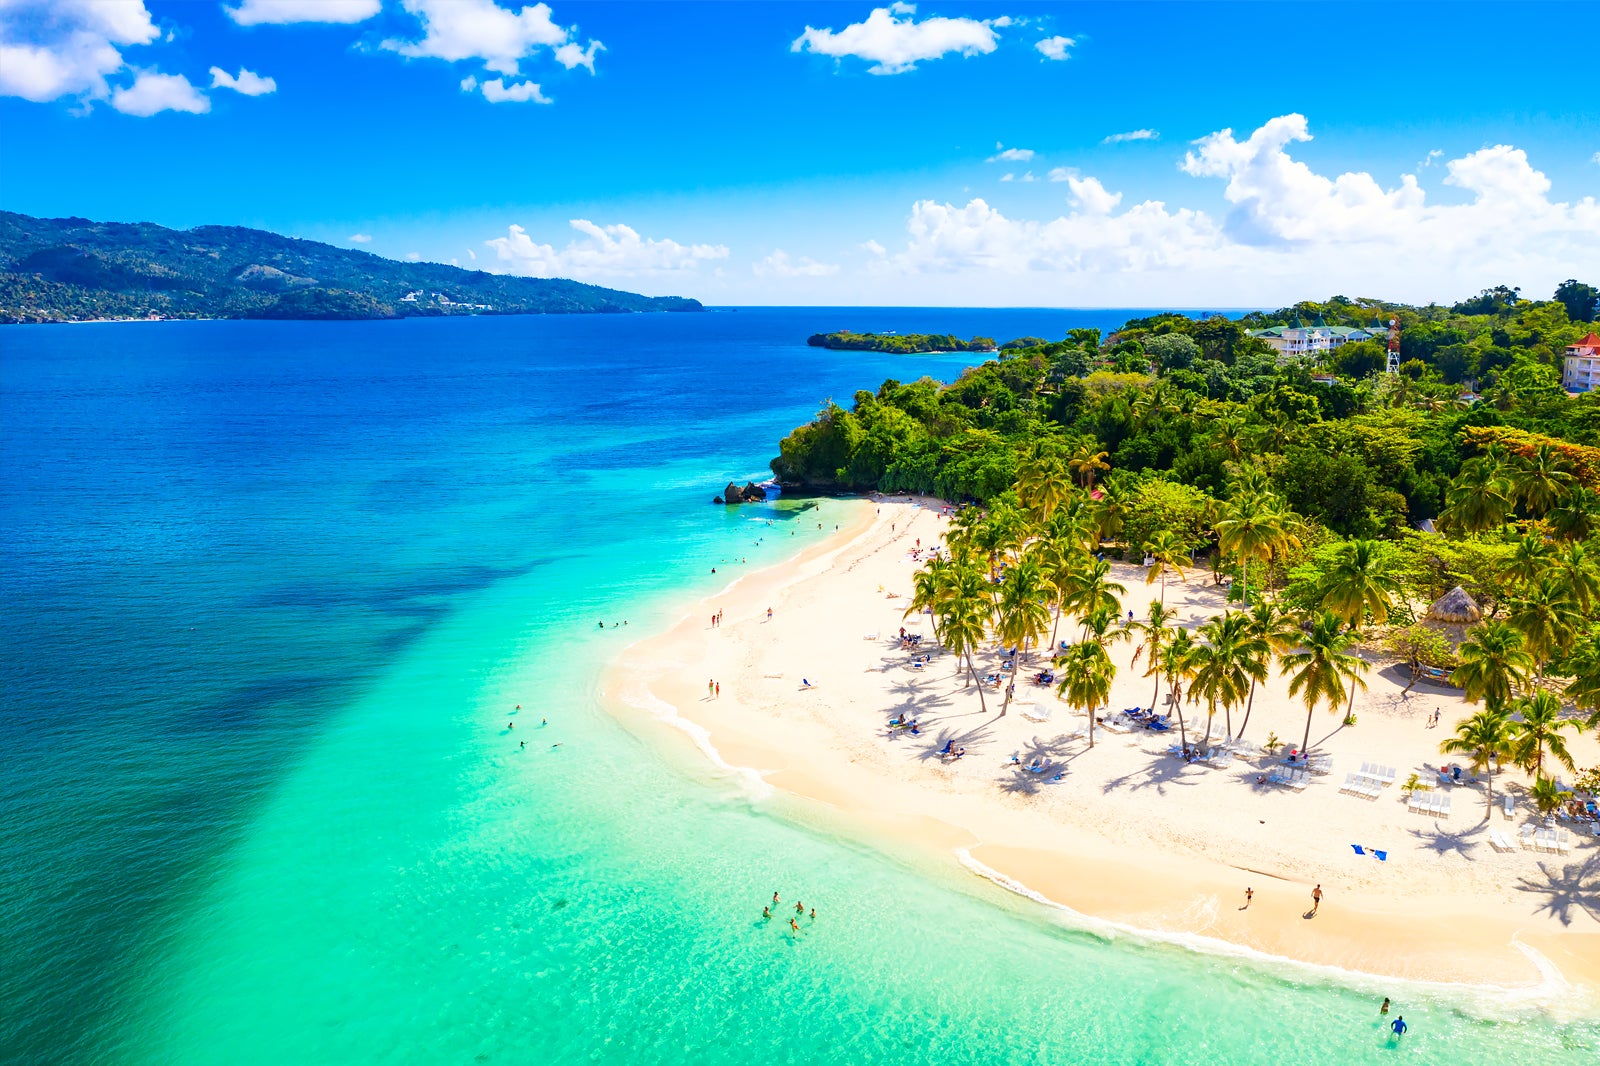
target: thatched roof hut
1456 608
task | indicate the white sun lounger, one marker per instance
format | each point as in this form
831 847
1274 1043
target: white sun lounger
1508 803
1498 842
1034 712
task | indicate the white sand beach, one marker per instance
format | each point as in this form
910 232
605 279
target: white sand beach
1126 831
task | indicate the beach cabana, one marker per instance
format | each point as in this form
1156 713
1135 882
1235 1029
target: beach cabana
1455 608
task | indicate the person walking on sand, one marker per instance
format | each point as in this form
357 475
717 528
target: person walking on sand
719 690
1316 898
1249 894
711 689
1399 1026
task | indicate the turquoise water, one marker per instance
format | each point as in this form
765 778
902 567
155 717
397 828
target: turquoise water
273 591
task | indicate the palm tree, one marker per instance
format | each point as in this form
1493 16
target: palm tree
1279 633
1153 633
1254 526
1579 574
1359 584
1541 478
1584 690
1110 511
1323 668
966 609
1167 555
1022 617
1086 462
1539 731
1531 556
1577 516
1494 662
1177 665
1479 498
1547 617
1484 737
1547 795
1090 588
1230 658
1086 673
928 587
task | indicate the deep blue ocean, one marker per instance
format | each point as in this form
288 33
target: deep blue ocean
272 591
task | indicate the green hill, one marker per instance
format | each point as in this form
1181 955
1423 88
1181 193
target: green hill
71 269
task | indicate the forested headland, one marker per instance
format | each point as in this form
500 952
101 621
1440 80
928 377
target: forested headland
75 270
1339 505
902 343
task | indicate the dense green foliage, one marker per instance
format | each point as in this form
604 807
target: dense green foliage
71 269
902 343
1178 439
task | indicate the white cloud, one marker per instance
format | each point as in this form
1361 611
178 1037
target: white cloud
413 257
1595 158
1008 177
1012 155
498 92
1062 173
895 44
247 82
482 31
261 12
1427 161
1056 47
55 48
1132 135
1287 231
1028 177
875 248
360 238
471 254
778 264
469 83
570 55
1089 195
152 93
604 251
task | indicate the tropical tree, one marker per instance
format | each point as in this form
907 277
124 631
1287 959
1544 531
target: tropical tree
1537 729
1087 462
1484 737
1323 669
1541 478
1278 630
1254 526
1042 485
1579 574
1167 554
1494 663
1229 659
1090 588
1177 665
1110 511
1547 616
1531 556
928 588
1359 583
1547 795
1086 673
1021 617
1153 633
1479 498
1584 690
1577 516
966 609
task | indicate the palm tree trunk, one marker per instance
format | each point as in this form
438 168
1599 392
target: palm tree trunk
1157 692
1054 630
1244 583
1248 704
973 672
1183 730
1311 708
1488 788
1227 716
1210 714
1091 727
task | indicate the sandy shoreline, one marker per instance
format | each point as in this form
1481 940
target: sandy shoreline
1128 834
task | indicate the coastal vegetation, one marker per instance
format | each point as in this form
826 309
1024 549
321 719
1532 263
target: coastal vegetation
73 270
1334 504
901 343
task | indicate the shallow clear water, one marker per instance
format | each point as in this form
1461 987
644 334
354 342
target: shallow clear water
272 591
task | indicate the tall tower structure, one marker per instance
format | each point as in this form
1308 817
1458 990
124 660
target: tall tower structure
1394 345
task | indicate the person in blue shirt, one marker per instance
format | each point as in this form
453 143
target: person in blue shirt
1399 1025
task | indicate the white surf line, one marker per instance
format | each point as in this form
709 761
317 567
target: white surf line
750 780
1554 996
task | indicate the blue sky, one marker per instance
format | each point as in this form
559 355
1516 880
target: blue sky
801 152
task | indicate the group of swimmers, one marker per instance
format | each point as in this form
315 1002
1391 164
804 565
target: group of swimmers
511 727
799 911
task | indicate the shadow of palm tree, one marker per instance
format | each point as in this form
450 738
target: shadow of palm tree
954 738
1572 887
1163 770
1442 841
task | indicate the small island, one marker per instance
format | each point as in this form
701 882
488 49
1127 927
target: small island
902 343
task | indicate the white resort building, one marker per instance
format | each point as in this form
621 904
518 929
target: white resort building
1581 369
1302 340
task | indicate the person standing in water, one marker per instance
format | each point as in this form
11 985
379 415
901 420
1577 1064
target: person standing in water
794 925
1385 1008
766 912
1399 1026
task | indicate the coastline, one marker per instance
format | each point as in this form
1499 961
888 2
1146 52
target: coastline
1119 842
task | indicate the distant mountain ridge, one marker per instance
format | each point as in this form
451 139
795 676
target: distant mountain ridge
73 270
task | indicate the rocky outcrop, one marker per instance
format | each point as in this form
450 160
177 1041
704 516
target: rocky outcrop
751 493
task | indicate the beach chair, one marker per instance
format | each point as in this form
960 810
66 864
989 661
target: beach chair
1349 783
1035 712
1388 776
1444 805
1563 841
1498 842
1527 838
1357 849
1381 856
1508 804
